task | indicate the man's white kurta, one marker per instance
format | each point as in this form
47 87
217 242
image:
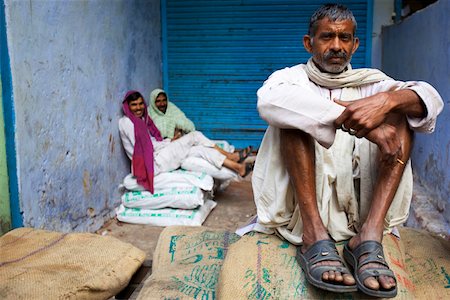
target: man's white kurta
345 165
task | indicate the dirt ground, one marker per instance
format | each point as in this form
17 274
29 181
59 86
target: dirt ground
234 208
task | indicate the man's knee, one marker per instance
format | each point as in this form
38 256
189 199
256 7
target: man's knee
295 137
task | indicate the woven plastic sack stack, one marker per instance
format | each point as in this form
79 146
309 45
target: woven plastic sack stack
261 266
39 264
180 198
186 263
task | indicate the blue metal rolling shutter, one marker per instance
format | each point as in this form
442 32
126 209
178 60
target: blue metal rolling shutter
217 53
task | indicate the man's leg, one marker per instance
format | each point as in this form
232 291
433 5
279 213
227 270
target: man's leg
387 182
297 148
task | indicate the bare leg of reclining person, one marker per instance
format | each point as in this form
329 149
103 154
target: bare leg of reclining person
389 175
238 156
297 148
218 159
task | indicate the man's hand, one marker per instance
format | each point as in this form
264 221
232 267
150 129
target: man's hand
364 115
385 137
177 134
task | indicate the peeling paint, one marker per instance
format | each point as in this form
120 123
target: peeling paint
70 70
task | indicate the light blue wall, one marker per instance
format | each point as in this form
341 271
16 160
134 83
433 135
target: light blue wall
71 63
419 49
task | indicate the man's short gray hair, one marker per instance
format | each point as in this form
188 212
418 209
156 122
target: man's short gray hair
334 12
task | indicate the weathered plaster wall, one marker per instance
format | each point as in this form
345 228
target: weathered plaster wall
71 64
5 213
419 49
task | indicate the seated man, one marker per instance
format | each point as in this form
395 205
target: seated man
314 185
151 155
172 122
169 119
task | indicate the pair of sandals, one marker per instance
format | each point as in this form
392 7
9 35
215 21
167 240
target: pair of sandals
325 250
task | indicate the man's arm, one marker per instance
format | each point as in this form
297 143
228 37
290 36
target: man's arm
366 114
287 101
418 101
182 122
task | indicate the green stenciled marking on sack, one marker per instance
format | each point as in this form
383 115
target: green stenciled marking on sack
139 196
284 245
210 239
220 254
266 275
192 259
208 243
138 212
173 245
447 277
425 270
200 283
257 291
296 278
190 173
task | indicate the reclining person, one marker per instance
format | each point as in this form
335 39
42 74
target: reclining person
172 122
315 185
150 154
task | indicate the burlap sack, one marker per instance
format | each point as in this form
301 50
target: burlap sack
39 264
261 266
186 263
427 259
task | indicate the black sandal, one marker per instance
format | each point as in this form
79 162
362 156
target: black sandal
374 252
324 250
244 153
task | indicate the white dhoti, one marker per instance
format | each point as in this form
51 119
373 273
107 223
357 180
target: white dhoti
345 178
193 144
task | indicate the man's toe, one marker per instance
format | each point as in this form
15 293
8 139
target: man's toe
372 283
348 279
387 282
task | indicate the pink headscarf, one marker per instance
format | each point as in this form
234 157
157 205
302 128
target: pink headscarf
142 161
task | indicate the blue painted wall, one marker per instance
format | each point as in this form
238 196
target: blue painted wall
71 64
419 49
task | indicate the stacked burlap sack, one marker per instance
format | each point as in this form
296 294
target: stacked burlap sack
201 263
39 264
180 198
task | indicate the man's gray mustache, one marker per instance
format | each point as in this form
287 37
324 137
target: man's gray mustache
329 55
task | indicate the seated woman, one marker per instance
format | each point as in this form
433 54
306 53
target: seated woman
172 122
151 155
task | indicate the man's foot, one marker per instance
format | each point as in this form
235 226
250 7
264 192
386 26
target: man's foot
324 268
245 169
372 273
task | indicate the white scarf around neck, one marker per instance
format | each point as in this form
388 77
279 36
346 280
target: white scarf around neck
348 78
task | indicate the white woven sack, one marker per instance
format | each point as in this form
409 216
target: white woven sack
165 216
177 178
176 197
199 165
